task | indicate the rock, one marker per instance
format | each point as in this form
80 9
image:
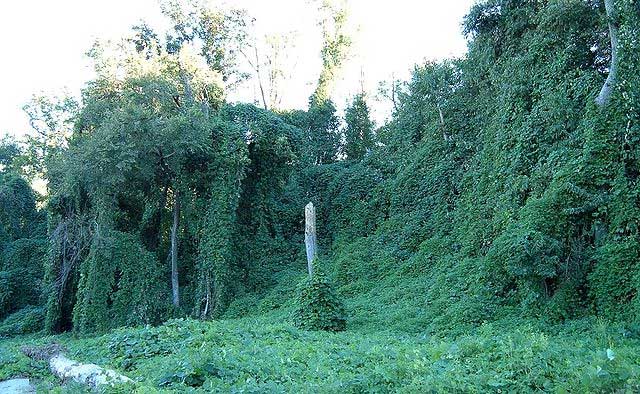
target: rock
16 386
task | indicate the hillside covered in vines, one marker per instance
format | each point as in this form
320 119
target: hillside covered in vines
503 187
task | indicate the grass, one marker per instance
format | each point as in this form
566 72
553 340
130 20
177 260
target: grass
263 356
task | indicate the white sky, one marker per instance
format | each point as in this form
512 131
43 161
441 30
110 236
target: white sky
44 42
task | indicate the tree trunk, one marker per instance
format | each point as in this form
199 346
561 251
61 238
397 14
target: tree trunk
607 88
88 374
393 92
174 251
264 101
66 369
207 296
441 114
446 136
310 239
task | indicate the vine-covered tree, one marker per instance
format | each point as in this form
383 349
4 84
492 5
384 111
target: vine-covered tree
22 231
139 161
320 122
358 135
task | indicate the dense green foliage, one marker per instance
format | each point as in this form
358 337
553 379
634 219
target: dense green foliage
498 192
261 356
22 233
27 320
358 134
318 306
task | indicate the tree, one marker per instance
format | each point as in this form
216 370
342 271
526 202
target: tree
142 142
320 122
359 138
280 67
268 60
335 47
389 90
216 34
10 153
22 240
321 127
51 119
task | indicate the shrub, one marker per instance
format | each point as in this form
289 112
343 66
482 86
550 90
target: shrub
612 282
27 320
318 306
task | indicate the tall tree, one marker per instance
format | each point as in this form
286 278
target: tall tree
141 145
358 135
269 59
217 35
320 123
335 46
51 119
22 238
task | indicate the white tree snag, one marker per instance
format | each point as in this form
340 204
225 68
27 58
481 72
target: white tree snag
264 100
175 287
89 374
310 238
607 88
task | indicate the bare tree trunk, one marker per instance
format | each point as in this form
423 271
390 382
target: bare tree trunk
208 296
174 251
310 239
607 88
393 92
441 114
444 131
257 67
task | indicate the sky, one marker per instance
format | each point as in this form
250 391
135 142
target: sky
45 41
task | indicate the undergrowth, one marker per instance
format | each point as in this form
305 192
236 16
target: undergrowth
259 355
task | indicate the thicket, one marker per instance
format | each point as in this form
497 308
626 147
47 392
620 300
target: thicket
498 189
318 306
22 232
